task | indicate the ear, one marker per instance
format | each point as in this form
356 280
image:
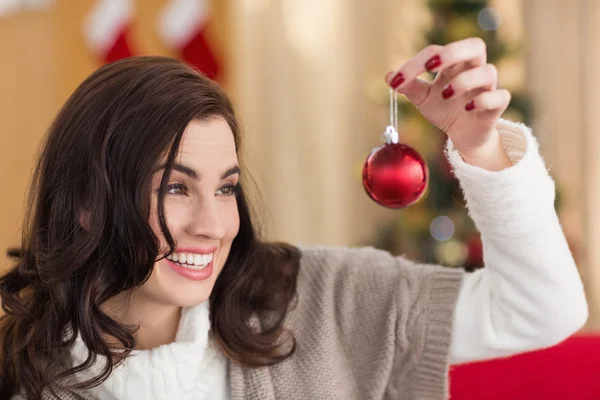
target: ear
84 219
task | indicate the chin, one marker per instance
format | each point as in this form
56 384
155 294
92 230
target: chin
187 296
190 295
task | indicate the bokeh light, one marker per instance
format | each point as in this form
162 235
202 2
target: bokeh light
489 19
442 228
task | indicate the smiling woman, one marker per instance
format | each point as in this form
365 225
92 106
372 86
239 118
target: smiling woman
138 212
140 274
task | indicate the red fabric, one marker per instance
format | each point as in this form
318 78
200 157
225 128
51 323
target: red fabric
568 371
197 52
119 49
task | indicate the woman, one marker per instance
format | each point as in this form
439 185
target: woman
141 276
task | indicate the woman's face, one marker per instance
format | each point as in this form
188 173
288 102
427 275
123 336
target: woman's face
201 214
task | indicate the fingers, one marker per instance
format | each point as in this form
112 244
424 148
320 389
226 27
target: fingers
449 73
496 101
484 77
413 68
462 71
471 51
449 60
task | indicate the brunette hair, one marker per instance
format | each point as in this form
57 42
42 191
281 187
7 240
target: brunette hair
97 161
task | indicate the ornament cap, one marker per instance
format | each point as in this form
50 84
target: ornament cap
390 136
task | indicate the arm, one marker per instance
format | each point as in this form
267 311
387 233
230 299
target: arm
529 295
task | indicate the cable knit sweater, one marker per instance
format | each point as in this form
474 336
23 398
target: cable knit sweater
372 326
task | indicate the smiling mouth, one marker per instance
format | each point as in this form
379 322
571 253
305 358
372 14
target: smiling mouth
191 260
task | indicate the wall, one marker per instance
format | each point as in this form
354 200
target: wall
44 58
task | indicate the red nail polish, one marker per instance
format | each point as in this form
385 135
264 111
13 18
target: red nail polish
433 62
470 105
447 92
397 81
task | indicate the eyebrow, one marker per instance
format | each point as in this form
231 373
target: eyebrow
231 171
193 174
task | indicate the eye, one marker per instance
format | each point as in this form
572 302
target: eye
177 189
228 190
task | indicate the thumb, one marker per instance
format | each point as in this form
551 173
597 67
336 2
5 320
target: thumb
416 91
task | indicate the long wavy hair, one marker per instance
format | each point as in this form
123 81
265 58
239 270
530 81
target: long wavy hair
97 161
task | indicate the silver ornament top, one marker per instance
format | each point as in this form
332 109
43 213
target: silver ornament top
391 136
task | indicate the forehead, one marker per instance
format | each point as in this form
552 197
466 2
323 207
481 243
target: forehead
207 144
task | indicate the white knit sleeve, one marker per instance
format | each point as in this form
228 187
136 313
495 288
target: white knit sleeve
529 295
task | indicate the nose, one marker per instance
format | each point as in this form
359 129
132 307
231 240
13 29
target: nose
205 219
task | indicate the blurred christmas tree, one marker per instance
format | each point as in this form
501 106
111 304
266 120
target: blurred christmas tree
438 229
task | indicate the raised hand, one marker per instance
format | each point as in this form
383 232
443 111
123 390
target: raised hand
462 100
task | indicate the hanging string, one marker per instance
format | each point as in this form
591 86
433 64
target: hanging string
394 109
390 136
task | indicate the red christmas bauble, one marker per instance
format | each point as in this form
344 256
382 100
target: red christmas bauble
395 175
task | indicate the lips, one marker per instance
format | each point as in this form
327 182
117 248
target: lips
195 264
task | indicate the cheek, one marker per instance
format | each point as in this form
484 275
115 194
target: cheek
232 221
173 217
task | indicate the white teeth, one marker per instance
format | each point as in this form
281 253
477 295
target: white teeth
191 260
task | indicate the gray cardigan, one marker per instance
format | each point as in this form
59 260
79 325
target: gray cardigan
368 326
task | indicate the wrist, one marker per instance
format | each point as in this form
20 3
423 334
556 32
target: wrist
490 156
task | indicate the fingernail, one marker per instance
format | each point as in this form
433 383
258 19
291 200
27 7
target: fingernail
433 62
397 81
470 105
447 92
